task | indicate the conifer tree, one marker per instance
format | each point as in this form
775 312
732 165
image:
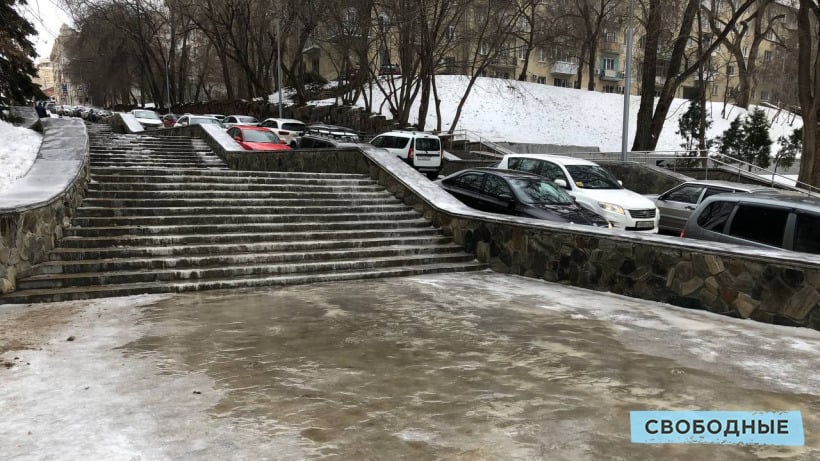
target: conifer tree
16 56
731 141
757 144
790 146
689 125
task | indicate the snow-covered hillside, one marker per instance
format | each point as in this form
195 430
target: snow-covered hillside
17 152
509 110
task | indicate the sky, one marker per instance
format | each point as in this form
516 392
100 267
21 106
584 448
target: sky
46 16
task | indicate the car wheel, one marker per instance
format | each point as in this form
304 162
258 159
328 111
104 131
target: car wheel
432 175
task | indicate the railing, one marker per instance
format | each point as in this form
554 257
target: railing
564 68
668 159
682 159
506 61
610 74
611 47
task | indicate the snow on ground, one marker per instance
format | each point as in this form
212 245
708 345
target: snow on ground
524 112
18 150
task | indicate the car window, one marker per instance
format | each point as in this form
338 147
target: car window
760 224
471 181
294 126
182 120
269 124
233 132
229 120
378 141
523 164
428 144
248 120
396 142
807 233
496 187
714 216
536 190
260 136
592 177
689 193
710 191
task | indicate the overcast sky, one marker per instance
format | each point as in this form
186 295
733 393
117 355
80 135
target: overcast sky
47 16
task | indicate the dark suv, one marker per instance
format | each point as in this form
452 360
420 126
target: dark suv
771 219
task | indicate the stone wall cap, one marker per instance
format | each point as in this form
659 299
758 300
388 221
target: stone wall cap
61 159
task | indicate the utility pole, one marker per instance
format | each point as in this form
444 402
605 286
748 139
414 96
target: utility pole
168 81
279 63
627 85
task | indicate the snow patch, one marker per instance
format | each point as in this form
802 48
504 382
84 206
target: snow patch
17 152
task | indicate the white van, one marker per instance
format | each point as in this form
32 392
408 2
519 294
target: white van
422 151
592 187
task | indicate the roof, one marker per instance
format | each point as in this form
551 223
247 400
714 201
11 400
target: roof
729 184
250 127
284 120
774 197
408 133
560 159
509 174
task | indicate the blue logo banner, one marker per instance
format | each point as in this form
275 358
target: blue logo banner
718 427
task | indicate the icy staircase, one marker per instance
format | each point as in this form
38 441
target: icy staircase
164 214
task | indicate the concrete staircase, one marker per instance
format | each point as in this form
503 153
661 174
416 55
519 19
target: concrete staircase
164 214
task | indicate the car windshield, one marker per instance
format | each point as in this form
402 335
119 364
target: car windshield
247 120
592 177
146 114
260 136
293 126
204 121
539 191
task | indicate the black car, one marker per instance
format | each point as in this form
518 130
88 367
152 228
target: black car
519 194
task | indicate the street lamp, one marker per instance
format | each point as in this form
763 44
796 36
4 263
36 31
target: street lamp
627 85
168 81
279 62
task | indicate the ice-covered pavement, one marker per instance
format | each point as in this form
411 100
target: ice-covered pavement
460 366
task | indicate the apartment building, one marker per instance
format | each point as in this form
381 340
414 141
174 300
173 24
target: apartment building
45 77
557 61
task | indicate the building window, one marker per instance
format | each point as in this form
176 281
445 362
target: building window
521 52
745 51
715 90
542 54
764 95
482 48
730 70
767 56
384 22
609 89
451 32
608 63
542 80
563 83
609 37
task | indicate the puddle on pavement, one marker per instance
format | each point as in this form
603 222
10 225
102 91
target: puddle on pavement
387 369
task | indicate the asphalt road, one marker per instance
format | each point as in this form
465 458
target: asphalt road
459 366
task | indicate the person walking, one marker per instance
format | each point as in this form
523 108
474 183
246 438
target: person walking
41 110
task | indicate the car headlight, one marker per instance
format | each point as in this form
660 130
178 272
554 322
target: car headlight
611 207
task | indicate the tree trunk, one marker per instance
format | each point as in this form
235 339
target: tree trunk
643 133
808 89
592 48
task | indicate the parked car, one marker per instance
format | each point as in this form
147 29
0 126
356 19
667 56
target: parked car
168 120
189 119
286 128
147 118
592 187
766 219
219 117
422 151
239 120
678 203
519 194
389 69
256 138
333 132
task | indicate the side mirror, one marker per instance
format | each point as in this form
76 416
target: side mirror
620 183
561 182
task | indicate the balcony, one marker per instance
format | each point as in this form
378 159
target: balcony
611 47
564 68
610 75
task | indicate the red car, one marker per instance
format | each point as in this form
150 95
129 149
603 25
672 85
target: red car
257 138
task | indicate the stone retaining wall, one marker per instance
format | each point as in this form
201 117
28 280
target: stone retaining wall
769 286
36 208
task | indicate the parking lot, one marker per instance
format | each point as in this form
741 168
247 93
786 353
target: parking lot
459 366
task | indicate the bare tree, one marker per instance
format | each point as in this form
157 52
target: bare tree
808 77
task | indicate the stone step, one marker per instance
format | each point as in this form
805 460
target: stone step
228 180
78 254
330 217
304 189
75 293
244 238
229 272
235 228
198 262
129 203
140 165
215 210
142 157
231 194
160 171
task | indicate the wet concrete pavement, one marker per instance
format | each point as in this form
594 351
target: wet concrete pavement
460 366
